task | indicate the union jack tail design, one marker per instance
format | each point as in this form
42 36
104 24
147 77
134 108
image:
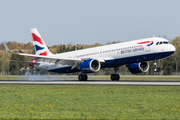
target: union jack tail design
40 47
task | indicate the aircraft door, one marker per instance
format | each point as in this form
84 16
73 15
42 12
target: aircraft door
74 55
100 53
147 48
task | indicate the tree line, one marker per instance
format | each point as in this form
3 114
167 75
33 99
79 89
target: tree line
168 66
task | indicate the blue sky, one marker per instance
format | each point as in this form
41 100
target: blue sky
88 21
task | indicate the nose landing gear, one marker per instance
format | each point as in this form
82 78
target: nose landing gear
156 69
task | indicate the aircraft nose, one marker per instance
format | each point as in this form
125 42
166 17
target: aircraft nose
173 48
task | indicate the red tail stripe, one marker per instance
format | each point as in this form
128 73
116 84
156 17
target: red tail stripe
36 38
44 53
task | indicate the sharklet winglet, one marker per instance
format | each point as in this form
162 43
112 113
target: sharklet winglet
7 49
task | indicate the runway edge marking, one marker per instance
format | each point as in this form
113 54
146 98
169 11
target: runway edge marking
92 83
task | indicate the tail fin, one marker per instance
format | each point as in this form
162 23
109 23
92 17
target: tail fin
40 47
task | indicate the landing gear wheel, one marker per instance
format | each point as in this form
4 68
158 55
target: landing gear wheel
82 77
115 77
85 77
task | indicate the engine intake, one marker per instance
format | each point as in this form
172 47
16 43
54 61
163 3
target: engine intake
90 65
138 67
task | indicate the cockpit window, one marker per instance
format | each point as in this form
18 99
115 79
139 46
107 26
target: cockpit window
162 42
165 42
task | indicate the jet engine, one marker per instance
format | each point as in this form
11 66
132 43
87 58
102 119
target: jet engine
138 67
89 66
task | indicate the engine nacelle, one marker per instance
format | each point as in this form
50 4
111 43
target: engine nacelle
138 67
90 65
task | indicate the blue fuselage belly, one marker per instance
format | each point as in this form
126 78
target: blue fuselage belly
120 61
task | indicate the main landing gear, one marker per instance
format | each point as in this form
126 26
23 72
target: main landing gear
156 69
115 77
82 77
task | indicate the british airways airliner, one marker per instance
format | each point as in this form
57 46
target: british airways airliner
134 54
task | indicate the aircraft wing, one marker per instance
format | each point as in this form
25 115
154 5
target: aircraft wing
23 62
74 62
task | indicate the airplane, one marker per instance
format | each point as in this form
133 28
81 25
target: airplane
134 54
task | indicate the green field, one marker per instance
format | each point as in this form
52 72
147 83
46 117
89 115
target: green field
89 102
92 77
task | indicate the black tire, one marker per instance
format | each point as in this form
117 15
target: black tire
113 77
80 77
84 77
117 77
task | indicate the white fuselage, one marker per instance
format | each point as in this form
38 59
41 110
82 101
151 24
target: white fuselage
116 55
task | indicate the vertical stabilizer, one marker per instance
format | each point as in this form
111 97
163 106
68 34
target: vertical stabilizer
40 47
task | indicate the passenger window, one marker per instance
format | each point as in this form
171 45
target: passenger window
157 43
160 43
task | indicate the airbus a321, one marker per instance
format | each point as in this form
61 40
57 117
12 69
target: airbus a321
134 54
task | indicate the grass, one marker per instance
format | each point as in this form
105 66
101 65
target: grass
89 102
93 77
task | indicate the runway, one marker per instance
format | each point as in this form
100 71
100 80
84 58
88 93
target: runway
91 82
